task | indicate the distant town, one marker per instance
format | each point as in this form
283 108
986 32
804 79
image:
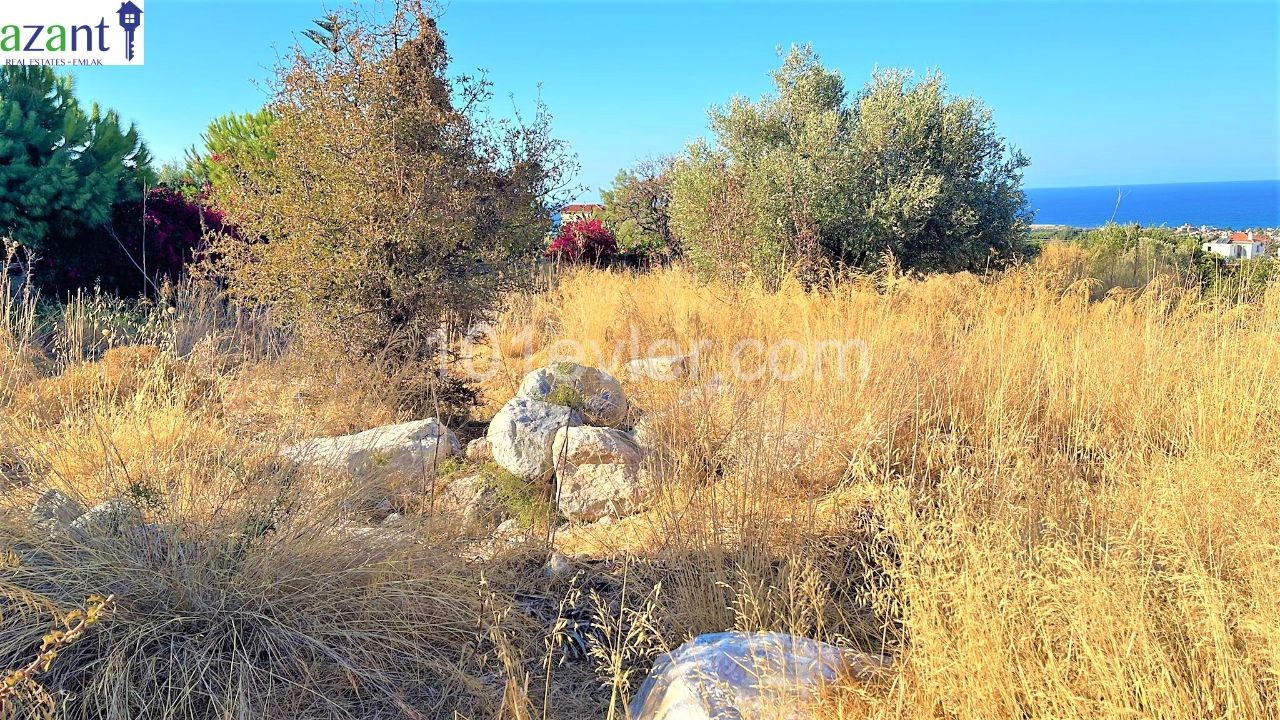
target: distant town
1235 245
1230 244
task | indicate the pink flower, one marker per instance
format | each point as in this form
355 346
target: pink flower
583 241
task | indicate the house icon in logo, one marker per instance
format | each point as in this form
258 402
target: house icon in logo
130 19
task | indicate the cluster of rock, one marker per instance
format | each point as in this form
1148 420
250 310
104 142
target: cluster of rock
569 431
57 513
565 423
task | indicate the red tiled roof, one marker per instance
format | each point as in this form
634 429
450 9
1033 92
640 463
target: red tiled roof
1239 237
582 207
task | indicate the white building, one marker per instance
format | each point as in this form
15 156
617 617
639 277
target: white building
1237 246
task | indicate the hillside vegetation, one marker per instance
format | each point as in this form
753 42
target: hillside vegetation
1041 505
1005 477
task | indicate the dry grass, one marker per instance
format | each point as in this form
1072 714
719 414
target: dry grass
1079 499
1045 505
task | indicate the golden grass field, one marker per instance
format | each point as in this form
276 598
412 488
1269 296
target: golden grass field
1041 504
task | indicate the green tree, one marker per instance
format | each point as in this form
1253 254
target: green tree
637 209
940 189
232 141
61 168
806 179
391 205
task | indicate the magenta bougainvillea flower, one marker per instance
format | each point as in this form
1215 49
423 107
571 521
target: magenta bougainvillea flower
583 241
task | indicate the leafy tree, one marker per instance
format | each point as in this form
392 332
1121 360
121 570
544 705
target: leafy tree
391 205
61 168
941 189
637 209
807 179
173 174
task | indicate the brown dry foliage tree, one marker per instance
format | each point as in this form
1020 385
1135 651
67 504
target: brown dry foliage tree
394 206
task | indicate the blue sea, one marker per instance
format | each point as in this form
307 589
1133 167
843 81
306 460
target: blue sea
1236 205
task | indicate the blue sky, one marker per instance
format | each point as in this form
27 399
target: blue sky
1094 94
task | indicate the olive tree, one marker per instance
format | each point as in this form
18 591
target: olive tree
807 179
637 207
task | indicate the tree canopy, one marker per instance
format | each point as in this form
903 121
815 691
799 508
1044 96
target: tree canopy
637 209
62 169
232 141
807 179
390 202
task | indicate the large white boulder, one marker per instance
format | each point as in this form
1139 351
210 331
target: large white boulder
596 394
599 472
745 676
416 448
522 433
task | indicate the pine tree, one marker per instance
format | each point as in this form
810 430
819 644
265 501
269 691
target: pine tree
231 141
330 36
61 169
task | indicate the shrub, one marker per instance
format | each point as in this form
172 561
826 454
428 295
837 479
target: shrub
149 242
583 241
637 209
392 202
528 502
806 180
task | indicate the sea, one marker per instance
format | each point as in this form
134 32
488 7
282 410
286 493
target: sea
1223 205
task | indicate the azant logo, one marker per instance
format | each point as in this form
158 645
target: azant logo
72 32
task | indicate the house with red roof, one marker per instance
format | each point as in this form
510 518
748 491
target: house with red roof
1238 246
580 211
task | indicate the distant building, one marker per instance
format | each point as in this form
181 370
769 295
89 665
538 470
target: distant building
1238 246
580 211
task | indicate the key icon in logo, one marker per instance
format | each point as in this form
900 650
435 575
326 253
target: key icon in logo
130 19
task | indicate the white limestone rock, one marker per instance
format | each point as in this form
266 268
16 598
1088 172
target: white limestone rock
479 450
112 517
522 433
599 472
663 367
474 499
55 511
412 448
596 394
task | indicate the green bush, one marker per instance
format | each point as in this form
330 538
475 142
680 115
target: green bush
807 180
529 503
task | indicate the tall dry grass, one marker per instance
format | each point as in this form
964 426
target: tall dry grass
1070 507
1042 504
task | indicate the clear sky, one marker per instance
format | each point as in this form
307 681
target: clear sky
1094 94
